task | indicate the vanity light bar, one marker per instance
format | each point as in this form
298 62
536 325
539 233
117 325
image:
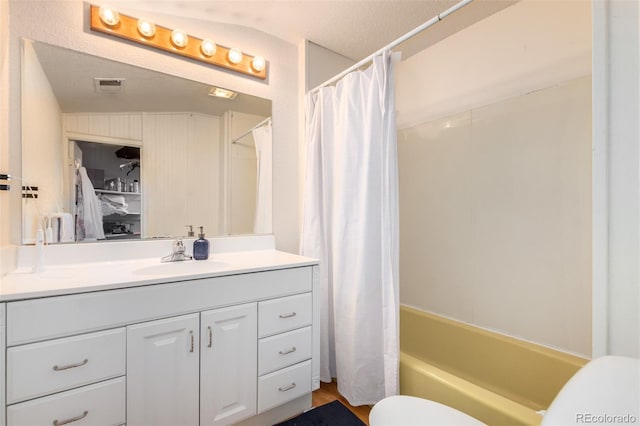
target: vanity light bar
179 43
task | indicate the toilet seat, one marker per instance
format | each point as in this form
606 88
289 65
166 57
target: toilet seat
405 410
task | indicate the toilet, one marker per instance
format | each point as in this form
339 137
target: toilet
402 410
608 386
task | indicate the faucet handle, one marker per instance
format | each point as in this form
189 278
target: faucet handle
178 245
190 233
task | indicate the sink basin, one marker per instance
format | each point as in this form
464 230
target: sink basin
184 267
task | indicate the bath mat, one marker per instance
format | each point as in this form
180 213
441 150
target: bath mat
331 414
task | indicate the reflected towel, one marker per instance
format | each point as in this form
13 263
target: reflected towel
62 225
113 204
91 220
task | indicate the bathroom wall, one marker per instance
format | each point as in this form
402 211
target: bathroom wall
495 175
7 155
322 64
528 46
495 216
42 141
33 19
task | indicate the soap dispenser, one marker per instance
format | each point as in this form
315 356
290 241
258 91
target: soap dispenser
201 246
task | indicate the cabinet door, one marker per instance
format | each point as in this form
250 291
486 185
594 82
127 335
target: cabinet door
162 372
228 376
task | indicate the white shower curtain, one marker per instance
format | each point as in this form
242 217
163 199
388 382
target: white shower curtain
262 140
350 223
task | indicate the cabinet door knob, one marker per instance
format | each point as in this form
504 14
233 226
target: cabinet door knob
292 314
210 337
66 367
72 419
192 341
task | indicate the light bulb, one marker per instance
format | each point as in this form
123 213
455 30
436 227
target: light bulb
179 38
258 63
109 16
235 56
208 48
146 27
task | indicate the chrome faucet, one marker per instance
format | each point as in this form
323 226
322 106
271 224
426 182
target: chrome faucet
177 252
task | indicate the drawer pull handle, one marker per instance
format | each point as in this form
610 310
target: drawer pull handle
192 343
73 419
66 367
293 349
287 388
210 337
292 314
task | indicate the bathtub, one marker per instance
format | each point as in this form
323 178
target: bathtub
497 379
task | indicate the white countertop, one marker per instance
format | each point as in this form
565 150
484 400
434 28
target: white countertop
106 275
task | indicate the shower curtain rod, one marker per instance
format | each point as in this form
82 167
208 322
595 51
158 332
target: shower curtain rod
260 124
395 43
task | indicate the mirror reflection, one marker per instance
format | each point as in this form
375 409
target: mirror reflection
111 151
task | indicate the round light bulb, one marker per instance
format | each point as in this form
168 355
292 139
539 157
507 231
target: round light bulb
109 16
258 63
179 38
235 56
208 48
146 27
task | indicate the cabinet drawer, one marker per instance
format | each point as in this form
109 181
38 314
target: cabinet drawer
42 368
284 314
284 349
284 385
96 405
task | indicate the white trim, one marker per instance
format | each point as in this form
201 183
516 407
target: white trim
600 183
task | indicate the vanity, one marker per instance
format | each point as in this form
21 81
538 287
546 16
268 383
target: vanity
229 340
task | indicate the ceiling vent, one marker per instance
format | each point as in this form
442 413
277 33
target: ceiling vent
108 85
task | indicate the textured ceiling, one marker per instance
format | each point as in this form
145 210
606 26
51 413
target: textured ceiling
71 75
352 28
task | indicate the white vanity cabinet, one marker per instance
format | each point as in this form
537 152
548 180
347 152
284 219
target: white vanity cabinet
284 349
2 364
193 369
228 364
208 351
163 372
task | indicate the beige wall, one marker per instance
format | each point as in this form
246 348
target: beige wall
495 216
42 141
528 46
6 153
32 19
322 64
495 183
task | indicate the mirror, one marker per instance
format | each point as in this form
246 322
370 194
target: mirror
159 148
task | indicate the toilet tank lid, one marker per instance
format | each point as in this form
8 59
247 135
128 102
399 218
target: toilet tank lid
606 390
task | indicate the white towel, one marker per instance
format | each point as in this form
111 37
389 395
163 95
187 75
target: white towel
62 225
113 204
91 209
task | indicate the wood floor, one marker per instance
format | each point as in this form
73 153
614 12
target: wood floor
328 392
